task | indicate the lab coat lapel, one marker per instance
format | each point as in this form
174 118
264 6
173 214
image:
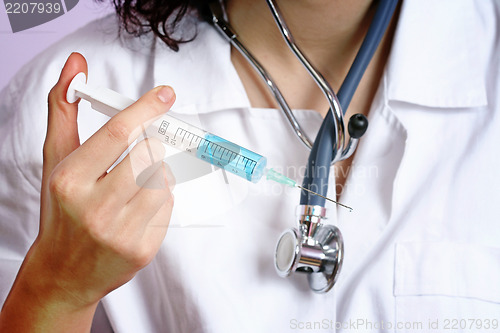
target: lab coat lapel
433 41
373 184
429 46
369 189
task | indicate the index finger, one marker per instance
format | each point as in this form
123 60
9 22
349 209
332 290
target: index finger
96 155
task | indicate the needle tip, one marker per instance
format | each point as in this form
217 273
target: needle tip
335 202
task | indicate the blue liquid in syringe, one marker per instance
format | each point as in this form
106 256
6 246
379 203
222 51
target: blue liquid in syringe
209 148
232 158
176 133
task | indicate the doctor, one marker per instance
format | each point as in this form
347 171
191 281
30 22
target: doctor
81 247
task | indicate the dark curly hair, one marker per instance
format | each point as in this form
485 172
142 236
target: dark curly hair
161 17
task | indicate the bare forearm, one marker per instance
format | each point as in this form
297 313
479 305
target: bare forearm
34 305
94 234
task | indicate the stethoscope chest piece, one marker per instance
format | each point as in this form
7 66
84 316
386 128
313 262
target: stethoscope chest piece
314 248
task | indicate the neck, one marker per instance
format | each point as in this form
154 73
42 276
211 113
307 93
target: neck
327 31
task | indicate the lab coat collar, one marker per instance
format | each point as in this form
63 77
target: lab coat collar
432 42
209 55
444 42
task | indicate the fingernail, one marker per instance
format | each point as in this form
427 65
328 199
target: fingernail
165 94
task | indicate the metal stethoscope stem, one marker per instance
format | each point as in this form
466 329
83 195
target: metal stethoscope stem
314 247
226 29
334 103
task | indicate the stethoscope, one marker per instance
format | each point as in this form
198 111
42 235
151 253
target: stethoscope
316 248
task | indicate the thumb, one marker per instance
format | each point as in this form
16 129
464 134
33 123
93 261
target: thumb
62 129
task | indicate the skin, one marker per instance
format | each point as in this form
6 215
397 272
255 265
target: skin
330 33
98 229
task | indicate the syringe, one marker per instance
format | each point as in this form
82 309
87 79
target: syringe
185 137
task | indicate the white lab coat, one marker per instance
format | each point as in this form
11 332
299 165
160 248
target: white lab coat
422 247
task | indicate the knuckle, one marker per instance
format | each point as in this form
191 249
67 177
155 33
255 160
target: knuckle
141 156
54 99
117 130
142 174
62 184
136 256
150 150
52 96
144 161
143 256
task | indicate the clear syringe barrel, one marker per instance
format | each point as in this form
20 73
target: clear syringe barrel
176 133
208 147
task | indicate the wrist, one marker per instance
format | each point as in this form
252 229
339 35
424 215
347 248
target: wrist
37 303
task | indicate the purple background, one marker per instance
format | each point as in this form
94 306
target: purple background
18 48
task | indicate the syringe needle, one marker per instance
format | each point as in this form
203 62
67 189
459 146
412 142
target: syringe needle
319 195
279 178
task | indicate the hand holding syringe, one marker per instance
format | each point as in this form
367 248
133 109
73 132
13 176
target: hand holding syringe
185 137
